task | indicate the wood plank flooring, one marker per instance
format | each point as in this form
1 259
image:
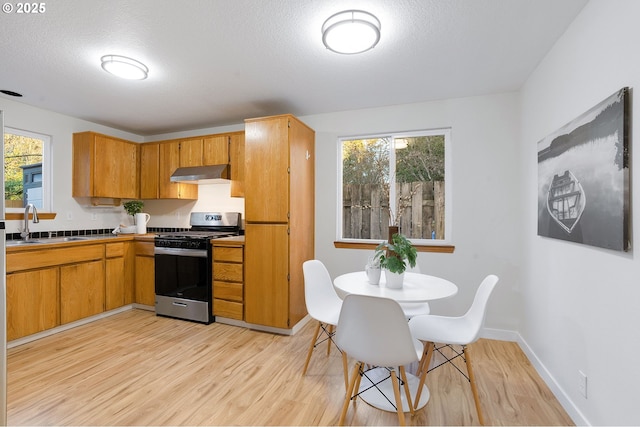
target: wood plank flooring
134 368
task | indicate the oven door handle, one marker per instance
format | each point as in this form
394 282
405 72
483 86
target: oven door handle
180 252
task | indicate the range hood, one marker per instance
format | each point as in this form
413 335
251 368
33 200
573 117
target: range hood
202 174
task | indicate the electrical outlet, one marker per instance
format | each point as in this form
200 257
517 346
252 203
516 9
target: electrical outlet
69 216
582 383
94 216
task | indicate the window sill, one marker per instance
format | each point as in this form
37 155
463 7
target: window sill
443 249
20 216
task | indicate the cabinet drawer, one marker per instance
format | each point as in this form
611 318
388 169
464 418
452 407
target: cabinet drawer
28 260
144 248
113 250
227 254
232 310
227 272
228 291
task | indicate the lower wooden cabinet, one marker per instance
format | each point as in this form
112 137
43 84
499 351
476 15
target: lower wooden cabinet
145 292
228 280
81 290
49 287
33 302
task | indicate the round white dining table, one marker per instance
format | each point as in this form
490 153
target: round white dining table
416 287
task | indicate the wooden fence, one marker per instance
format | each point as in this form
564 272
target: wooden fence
366 210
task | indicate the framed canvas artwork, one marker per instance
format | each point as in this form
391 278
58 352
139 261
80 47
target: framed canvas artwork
583 177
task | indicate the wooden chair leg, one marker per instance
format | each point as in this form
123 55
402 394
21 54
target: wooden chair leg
357 387
313 343
349 392
472 382
403 375
396 393
345 370
424 362
425 347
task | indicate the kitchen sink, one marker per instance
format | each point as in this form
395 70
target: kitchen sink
23 242
74 238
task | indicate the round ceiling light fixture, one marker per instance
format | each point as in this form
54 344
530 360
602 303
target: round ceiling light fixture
350 32
124 67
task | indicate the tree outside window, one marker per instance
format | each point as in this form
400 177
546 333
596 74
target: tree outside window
23 177
406 168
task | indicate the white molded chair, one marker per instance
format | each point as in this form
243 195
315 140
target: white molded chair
323 304
375 332
448 331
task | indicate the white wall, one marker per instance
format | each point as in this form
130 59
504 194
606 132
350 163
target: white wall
580 307
486 228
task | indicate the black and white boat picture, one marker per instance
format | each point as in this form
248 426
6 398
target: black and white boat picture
583 177
566 200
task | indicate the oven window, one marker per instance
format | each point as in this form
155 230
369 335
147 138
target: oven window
181 277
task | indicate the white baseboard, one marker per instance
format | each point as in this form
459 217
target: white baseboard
513 336
572 410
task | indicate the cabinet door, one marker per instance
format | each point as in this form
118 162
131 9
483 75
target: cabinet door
302 211
32 302
145 274
216 150
81 290
115 168
266 169
149 171
236 154
114 283
191 152
266 275
169 162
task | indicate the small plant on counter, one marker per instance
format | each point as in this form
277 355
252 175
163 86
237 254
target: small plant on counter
395 256
133 207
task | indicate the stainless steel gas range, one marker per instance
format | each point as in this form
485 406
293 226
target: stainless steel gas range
183 266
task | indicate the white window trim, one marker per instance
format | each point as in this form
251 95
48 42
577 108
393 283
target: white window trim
448 184
47 183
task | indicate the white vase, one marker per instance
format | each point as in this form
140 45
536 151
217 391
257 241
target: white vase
394 280
373 274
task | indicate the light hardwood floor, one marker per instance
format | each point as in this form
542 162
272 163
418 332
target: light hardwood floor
138 369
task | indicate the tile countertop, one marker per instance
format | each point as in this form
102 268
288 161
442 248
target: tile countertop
19 245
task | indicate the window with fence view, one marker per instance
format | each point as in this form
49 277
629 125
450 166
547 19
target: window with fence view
23 169
407 169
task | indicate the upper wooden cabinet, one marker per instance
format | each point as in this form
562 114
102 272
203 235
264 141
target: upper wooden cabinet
169 161
190 152
269 156
104 166
236 154
150 171
215 150
204 151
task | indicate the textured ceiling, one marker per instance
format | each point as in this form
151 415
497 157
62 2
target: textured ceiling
217 62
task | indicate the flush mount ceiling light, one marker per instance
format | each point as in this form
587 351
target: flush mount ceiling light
124 67
351 31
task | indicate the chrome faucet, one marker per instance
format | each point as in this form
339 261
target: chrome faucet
25 233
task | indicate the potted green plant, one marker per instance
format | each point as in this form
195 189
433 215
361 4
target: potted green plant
394 257
133 207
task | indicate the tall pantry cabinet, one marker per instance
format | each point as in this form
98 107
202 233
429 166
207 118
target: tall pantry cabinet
279 218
